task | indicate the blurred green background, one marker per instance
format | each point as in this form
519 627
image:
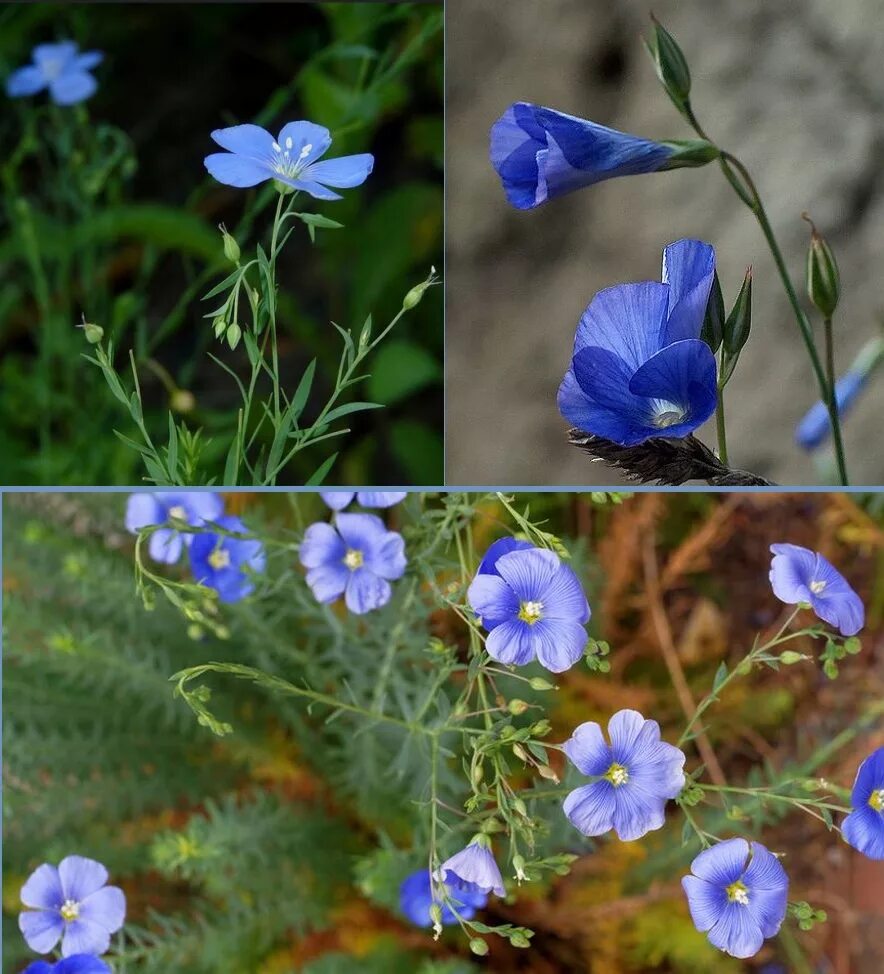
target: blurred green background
138 257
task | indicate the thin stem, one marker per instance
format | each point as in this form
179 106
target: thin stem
720 426
831 399
277 220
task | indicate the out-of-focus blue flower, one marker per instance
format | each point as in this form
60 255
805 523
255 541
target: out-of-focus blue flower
224 563
540 154
254 156
75 964
158 507
416 898
473 868
798 575
737 895
73 904
532 605
815 428
639 773
639 369
357 557
59 67
337 500
864 826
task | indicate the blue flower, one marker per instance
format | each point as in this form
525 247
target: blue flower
638 773
798 575
60 68
357 557
532 605
639 369
815 427
473 868
864 826
223 563
540 153
737 895
73 904
254 156
337 500
416 898
160 507
75 964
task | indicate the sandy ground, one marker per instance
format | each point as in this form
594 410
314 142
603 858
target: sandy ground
791 86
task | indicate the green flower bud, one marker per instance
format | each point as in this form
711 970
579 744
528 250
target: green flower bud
520 752
823 278
690 153
182 401
538 683
516 707
234 333
672 68
739 321
478 946
518 939
713 322
93 333
413 298
789 657
231 247
545 771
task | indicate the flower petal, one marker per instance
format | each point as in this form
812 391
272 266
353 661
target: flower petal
233 170
42 889
381 498
80 877
337 500
511 642
590 808
837 604
386 557
864 830
623 419
311 187
80 964
624 729
588 750
791 571
488 565
688 269
42 929
736 932
815 427
328 582
723 864
528 572
303 134
344 172
54 55
559 643
25 81
492 599
165 546
88 60
362 532
84 937
706 902
636 812
72 87
321 545
869 778
475 865
563 597
366 591
250 141
142 510
106 908
627 320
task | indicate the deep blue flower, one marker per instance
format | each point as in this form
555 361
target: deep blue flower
540 153
75 964
737 895
638 773
254 156
224 563
473 868
798 575
357 557
532 605
158 507
639 369
815 427
60 68
864 826
416 898
337 500
73 904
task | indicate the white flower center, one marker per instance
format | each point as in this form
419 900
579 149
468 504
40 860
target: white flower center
52 68
876 800
353 559
530 612
219 558
617 775
178 512
737 893
666 413
70 910
817 587
283 163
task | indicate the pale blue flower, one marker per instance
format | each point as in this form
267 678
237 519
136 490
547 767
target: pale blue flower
59 67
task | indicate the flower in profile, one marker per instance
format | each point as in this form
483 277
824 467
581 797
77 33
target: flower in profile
75 964
737 895
637 774
864 826
815 427
473 868
416 898
59 67
639 369
226 563
160 507
532 605
254 156
800 576
73 904
357 557
337 500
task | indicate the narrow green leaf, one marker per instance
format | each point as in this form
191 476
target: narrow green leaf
322 471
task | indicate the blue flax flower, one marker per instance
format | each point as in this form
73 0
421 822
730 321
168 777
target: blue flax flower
473 868
357 557
73 904
254 156
737 895
416 898
159 507
75 964
639 369
798 575
864 826
815 427
540 153
637 774
224 563
60 68
337 500
532 605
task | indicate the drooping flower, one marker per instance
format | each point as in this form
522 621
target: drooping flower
357 557
532 605
75 964
224 563
73 904
254 156
159 507
59 67
416 898
798 575
737 895
638 774
639 369
864 826
815 426
337 500
473 868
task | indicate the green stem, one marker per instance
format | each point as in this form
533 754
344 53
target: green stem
720 426
277 221
831 399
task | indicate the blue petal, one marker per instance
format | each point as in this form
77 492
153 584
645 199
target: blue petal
588 750
590 808
864 830
55 55
624 730
628 320
366 591
84 937
250 141
337 500
321 545
736 932
40 967
563 597
80 877
165 546
586 414
80 964
233 170
416 898
791 570
475 866
42 929
303 134
142 510
706 901
815 427
381 498
500 547
528 572
492 599
328 582
310 187
88 60
105 908
837 604
362 532
869 778
723 864
25 81
511 642
636 812
657 767
688 269
514 156
386 557
343 173
559 643
72 87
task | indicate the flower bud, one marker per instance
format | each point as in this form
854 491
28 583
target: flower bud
545 771
739 321
231 247
713 322
234 333
520 752
672 68
690 153
478 946
413 298
516 707
789 657
538 683
182 401
93 333
518 939
541 728
823 278
219 326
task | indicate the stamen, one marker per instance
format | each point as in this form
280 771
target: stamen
70 910
219 558
666 413
178 512
288 142
308 148
737 893
530 612
277 147
876 800
617 774
353 559
817 587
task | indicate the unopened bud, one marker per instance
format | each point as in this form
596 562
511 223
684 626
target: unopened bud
739 321
541 728
823 278
231 247
690 153
234 333
545 771
478 946
92 332
538 683
520 752
672 68
713 322
789 657
182 401
477 774
413 298
516 707
519 940
219 326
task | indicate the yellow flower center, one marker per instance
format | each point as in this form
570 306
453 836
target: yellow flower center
617 775
876 800
219 558
737 893
70 911
353 559
817 587
530 612
178 513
